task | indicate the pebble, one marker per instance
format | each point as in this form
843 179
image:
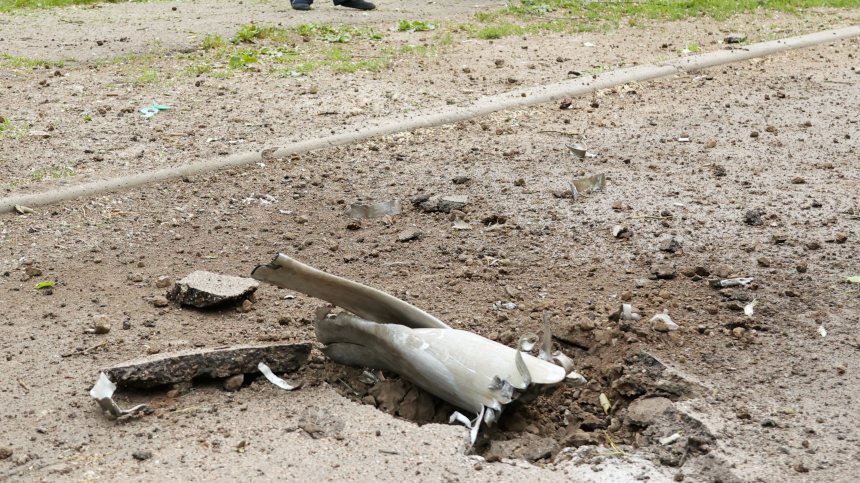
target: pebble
233 384
765 261
662 325
5 452
102 324
800 468
723 271
798 180
159 301
813 245
163 282
618 205
840 237
247 305
302 219
142 455
586 324
802 267
621 231
461 179
33 271
136 278
408 235
778 238
738 332
754 134
753 218
670 245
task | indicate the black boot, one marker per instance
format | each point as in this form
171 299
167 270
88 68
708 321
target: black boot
359 4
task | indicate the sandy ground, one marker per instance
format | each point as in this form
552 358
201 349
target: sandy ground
777 136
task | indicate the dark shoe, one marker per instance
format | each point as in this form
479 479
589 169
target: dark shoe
301 5
359 4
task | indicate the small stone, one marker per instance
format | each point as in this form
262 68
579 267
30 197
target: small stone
753 218
670 245
743 414
813 245
798 180
136 278
40 134
233 384
246 306
369 400
840 237
159 301
142 455
204 289
779 238
461 179
839 370
711 144
765 262
792 293
586 324
663 325
621 231
513 80
618 205
499 62
163 282
141 264
663 271
102 324
802 267
800 468
734 38
520 182
678 477
735 306
627 295
738 332
723 271
768 423
353 225
644 412
447 204
408 235
302 219
33 271
5 452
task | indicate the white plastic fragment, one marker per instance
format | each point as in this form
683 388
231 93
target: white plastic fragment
275 379
461 225
822 331
627 313
373 211
604 403
663 323
103 391
545 352
748 310
499 305
732 282
473 426
670 439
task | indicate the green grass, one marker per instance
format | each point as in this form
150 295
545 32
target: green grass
533 16
15 131
147 76
64 171
13 62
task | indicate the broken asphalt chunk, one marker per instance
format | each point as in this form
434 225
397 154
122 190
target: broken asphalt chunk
204 289
212 363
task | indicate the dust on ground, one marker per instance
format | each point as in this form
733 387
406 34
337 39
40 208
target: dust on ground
765 188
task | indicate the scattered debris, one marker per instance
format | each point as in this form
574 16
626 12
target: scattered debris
663 323
141 455
23 209
213 363
625 312
670 439
445 204
205 289
409 235
461 225
748 310
753 218
151 111
44 285
102 325
822 331
730 282
499 305
103 391
275 379
604 403
589 184
669 244
621 231
373 211
735 38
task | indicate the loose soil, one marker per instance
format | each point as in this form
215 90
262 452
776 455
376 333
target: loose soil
765 397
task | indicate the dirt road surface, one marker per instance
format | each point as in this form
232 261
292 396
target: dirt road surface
750 168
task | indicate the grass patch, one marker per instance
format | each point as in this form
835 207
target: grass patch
580 15
9 130
64 171
147 76
213 42
13 5
13 62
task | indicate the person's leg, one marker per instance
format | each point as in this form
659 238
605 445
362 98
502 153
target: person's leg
359 4
301 4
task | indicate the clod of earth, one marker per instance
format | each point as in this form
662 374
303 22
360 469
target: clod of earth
462 368
212 363
204 289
